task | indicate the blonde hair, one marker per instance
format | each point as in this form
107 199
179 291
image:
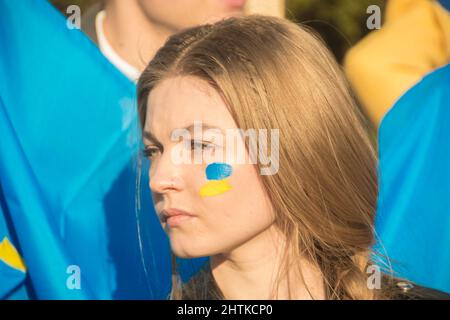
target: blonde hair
273 73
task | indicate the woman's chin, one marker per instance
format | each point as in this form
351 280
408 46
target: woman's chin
188 253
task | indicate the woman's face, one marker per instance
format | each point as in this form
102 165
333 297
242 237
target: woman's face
212 206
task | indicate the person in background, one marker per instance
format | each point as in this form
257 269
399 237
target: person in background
401 75
129 33
413 41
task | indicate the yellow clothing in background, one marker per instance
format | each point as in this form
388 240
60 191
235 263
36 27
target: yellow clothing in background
414 40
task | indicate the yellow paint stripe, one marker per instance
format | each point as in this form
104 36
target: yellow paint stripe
214 188
10 256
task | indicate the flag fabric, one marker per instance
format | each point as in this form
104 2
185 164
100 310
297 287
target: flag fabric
413 217
445 4
72 210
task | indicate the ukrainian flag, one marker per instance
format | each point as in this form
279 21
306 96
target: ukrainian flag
70 226
413 218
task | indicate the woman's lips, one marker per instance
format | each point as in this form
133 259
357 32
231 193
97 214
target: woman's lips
174 217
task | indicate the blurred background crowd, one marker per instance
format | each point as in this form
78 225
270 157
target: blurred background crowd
340 23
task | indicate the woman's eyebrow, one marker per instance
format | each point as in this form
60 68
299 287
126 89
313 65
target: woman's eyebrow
152 139
204 126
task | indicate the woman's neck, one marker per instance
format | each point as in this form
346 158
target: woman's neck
251 271
131 34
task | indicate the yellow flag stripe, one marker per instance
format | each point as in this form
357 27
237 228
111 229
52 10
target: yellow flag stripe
10 256
214 188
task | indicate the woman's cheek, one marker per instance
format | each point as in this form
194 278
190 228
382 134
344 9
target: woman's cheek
217 180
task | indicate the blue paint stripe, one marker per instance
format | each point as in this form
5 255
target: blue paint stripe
218 171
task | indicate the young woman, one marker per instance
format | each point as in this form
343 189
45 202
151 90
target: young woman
297 224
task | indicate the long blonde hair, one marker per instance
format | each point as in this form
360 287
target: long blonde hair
273 73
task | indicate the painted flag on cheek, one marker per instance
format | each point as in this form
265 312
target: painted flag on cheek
413 218
70 227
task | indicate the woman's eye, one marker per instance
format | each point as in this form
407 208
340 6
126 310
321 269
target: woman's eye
149 152
199 145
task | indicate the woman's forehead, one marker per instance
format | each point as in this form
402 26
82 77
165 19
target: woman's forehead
179 102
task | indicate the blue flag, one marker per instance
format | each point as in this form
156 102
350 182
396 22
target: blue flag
445 4
413 218
74 222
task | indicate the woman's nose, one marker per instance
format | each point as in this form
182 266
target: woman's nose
165 176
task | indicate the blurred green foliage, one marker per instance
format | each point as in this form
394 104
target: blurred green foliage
341 23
